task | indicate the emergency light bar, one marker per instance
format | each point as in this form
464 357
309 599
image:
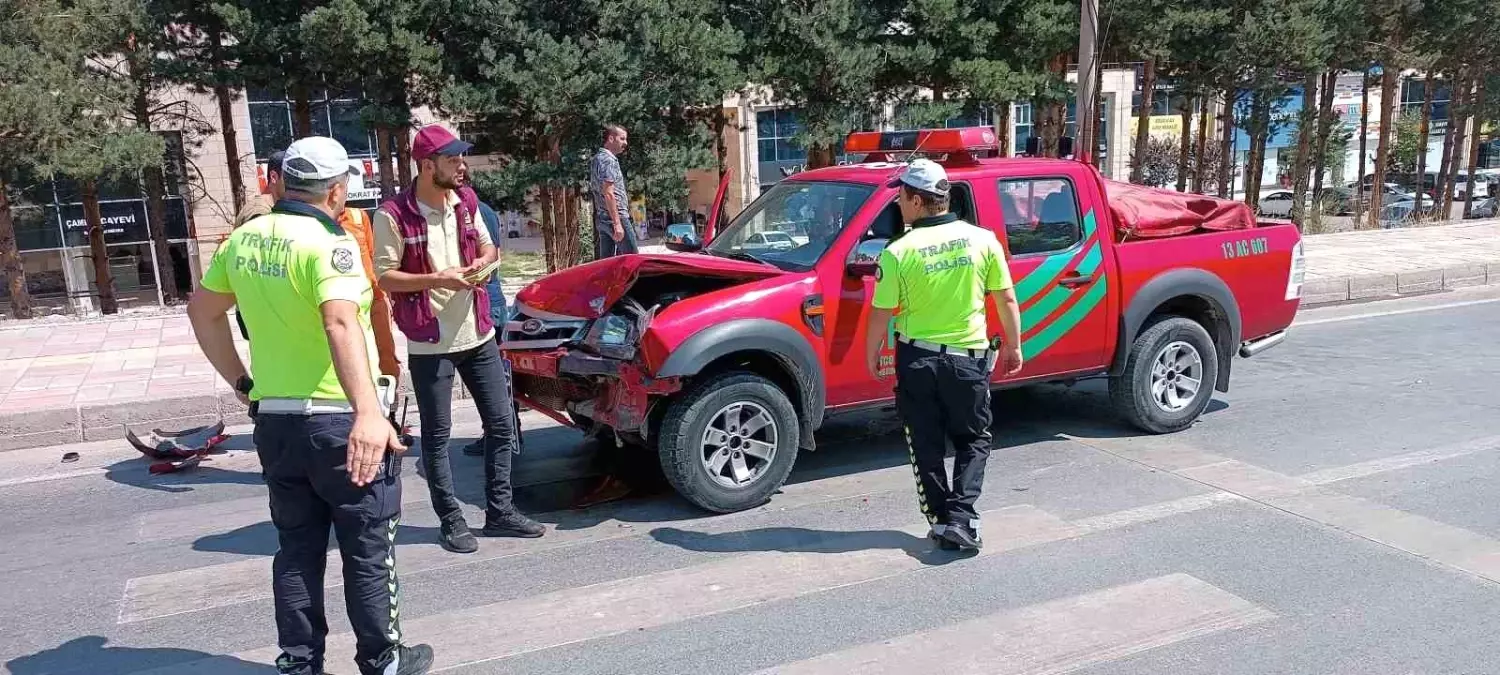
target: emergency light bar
963 140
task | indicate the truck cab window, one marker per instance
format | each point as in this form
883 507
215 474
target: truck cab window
889 224
1041 215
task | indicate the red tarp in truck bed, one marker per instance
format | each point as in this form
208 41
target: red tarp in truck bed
1149 212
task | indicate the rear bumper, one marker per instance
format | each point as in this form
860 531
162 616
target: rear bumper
612 393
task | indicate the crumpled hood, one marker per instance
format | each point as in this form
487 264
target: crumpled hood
587 291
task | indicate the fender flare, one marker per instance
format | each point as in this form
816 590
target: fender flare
758 335
1164 287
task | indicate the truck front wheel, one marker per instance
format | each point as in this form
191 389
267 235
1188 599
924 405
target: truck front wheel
728 443
1169 376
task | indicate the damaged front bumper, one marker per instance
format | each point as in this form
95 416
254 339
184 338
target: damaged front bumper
609 392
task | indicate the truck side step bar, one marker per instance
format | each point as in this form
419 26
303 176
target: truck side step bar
1257 346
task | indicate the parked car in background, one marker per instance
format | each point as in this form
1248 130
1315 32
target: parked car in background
1484 208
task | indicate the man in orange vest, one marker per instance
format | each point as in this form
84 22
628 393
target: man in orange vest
357 223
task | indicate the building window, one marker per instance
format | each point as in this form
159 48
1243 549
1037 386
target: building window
775 130
1411 101
1021 127
333 115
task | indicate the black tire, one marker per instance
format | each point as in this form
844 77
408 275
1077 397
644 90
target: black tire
679 443
1131 391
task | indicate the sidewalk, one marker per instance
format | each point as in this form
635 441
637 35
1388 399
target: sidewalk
68 381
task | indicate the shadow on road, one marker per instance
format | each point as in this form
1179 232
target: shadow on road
261 539
137 473
803 540
92 655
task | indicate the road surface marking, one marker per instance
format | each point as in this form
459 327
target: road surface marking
1392 312
1052 637
1404 461
834 560
196 589
27 480
1446 545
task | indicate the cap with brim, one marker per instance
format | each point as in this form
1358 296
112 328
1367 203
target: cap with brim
433 140
318 158
925 175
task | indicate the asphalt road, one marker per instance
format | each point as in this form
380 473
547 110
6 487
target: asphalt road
1334 513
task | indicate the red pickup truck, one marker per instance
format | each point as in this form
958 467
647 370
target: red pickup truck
726 358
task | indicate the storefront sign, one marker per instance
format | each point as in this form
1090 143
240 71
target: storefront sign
124 222
1162 126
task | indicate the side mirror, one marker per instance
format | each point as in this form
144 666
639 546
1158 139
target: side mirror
865 258
682 238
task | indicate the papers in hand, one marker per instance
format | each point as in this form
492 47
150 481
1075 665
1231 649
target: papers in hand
483 275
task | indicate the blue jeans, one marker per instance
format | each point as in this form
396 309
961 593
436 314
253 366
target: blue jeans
605 245
432 383
302 458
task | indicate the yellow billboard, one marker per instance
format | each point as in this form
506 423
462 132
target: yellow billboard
1162 126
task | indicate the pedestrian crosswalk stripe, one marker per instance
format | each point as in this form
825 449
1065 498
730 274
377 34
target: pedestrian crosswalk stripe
1052 637
491 632
191 590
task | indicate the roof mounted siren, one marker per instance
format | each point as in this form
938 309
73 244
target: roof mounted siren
962 145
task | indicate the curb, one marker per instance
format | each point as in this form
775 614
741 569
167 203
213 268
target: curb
108 421
1375 286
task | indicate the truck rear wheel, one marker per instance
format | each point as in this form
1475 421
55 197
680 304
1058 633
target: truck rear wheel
1169 376
728 443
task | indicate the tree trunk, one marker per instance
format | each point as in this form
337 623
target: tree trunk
227 130
1260 122
383 155
156 197
570 211
721 149
1304 146
102 280
1143 127
1444 190
1325 128
1002 127
1226 145
1458 114
1184 145
10 259
1422 128
1361 199
1388 95
403 155
1200 151
301 111
1473 150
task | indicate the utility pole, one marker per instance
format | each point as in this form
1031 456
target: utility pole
1087 106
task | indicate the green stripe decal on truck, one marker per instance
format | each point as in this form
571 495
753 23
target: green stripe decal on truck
1058 295
1059 327
1046 274
1040 320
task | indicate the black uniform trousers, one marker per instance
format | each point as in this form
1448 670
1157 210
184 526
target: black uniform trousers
943 398
302 458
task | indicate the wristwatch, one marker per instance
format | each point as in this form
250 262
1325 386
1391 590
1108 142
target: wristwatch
244 385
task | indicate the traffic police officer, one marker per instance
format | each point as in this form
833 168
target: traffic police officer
328 454
938 274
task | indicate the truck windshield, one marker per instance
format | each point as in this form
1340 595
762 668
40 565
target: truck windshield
792 225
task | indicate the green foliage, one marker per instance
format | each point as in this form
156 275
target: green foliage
62 110
1407 144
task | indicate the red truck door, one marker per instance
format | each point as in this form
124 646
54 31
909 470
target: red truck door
1051 230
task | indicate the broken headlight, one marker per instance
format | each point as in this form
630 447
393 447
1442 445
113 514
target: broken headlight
612 335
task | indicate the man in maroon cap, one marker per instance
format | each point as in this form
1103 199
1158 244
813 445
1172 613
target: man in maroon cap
429 245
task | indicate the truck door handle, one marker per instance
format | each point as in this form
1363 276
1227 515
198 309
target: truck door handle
1075 280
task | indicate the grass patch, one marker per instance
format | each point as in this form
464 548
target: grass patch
517 266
